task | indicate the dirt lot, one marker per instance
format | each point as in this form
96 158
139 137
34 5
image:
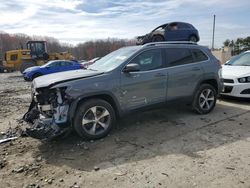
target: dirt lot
169 147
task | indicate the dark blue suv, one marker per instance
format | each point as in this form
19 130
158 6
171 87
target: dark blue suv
175 31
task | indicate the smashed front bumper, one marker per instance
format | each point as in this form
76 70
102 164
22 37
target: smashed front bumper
45 130
48 116
142 40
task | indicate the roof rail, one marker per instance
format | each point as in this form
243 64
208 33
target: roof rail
169 42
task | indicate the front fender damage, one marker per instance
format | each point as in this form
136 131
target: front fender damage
48 114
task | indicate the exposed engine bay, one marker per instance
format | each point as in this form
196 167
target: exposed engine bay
48 113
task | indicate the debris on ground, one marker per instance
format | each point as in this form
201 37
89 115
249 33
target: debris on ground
3 163
160 152
7 139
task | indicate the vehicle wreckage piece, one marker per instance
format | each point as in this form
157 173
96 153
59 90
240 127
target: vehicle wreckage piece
47 115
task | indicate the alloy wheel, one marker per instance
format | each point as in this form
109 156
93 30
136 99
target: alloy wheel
206 99
96 120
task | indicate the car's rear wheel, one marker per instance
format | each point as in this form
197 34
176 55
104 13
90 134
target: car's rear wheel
193 38
205 99
157 38
94 119
36 75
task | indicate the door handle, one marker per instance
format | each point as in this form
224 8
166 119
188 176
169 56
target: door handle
160 75
196 69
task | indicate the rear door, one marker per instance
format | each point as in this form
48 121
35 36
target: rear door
173 32
184 32
183 73
67 66
147 86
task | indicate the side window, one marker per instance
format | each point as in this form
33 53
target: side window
182 26
55 64
173 26
199 55
178 56
13 57
66 63
149 60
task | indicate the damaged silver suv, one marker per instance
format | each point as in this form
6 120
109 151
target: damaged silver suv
131 78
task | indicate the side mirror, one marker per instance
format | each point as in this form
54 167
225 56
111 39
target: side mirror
131 68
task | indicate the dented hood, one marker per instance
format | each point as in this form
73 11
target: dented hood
52 79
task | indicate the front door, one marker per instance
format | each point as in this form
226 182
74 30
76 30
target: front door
147 86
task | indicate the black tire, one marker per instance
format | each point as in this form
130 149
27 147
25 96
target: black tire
26 65
193 38
157 38
36 75
204 105
26 79
84 110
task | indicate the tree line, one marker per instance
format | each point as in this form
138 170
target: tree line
239 45
86 50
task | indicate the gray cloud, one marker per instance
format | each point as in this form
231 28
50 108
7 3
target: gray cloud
76 21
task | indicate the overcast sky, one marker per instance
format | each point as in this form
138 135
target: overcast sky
75 21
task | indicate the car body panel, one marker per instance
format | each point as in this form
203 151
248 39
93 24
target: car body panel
125 91
182 80
48 80
183 33
44 70
139 89
232 74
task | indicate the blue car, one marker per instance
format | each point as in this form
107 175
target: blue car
51 67
175 31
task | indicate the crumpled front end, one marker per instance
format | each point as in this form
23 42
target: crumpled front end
142 39
48 113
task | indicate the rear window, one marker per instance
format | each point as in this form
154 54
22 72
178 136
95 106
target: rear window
66 63
183 26
178 56
199 55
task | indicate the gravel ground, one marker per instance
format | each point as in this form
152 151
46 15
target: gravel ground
167 147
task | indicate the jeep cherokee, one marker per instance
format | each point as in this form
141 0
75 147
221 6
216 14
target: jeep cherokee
131 78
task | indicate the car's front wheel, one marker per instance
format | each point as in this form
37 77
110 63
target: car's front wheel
94 119
36 75
205 99
157 38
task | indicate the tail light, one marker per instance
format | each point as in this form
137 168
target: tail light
218 62
83 66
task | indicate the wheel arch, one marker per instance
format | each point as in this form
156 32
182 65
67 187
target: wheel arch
212 81
158 34
194 35
106 96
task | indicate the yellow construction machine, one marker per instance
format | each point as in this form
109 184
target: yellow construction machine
35 54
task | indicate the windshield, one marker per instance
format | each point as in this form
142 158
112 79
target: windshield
50 63
240 60
114 59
